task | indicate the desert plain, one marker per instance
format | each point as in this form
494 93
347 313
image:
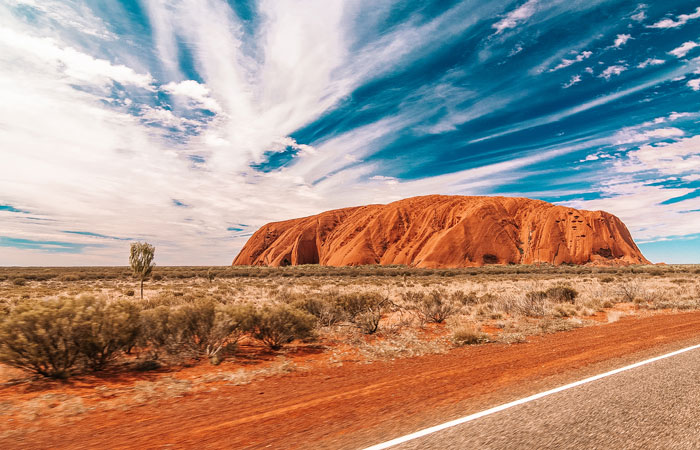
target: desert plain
364 337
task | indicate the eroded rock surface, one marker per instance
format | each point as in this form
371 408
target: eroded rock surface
446 231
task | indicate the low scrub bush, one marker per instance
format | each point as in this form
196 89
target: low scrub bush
364 309
280 324
436 306
209 327
629 290
467 334
39 336
19 281
105 330
464 298
322 307
562 294
162 331
533 304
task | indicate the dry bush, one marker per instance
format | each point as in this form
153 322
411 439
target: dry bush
322 306
435 307
466 333
104 330
39 336
562 294
364 309
208 327
532 304
280 324
629 290
464 298
162 332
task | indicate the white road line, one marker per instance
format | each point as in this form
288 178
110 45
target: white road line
469 418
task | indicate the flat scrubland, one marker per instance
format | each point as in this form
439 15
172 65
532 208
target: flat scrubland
75 340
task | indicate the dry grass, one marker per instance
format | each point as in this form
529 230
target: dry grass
503 304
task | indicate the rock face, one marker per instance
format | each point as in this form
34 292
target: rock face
440 231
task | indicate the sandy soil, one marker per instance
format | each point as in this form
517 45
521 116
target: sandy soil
359 404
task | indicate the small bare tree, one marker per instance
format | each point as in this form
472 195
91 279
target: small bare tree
141 260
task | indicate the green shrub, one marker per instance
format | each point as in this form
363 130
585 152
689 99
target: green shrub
210 327
105 330
162 331
39 336
280 324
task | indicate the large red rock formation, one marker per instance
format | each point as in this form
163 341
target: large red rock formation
445 231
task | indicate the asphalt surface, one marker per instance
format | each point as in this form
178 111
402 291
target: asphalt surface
656 406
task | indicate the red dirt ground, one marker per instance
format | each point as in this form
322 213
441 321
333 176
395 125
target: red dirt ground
360 404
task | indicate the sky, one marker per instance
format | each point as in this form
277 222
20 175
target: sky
191 123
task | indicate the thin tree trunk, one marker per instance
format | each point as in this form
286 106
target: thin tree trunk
141 288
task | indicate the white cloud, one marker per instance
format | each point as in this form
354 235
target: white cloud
622 39
574 80
681 156
639 17
641 208
191 89
73 15
97 163
166 118
612 71
596 157
683 50
633 134
515 50
681 20
386 180
517 16
45 53
650 62
567 62
676 115
694 84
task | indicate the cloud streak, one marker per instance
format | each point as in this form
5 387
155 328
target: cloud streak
176 122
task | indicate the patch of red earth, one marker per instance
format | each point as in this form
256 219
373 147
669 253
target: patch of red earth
359 404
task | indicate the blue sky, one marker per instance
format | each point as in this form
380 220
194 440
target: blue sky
191 123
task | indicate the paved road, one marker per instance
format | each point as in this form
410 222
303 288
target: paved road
656 406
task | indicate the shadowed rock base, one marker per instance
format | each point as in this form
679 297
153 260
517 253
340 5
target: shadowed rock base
439 231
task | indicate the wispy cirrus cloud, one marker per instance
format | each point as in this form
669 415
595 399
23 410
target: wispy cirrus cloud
682 50
180 120
650 62
621 40
679 21
517 16
612 71
566 62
